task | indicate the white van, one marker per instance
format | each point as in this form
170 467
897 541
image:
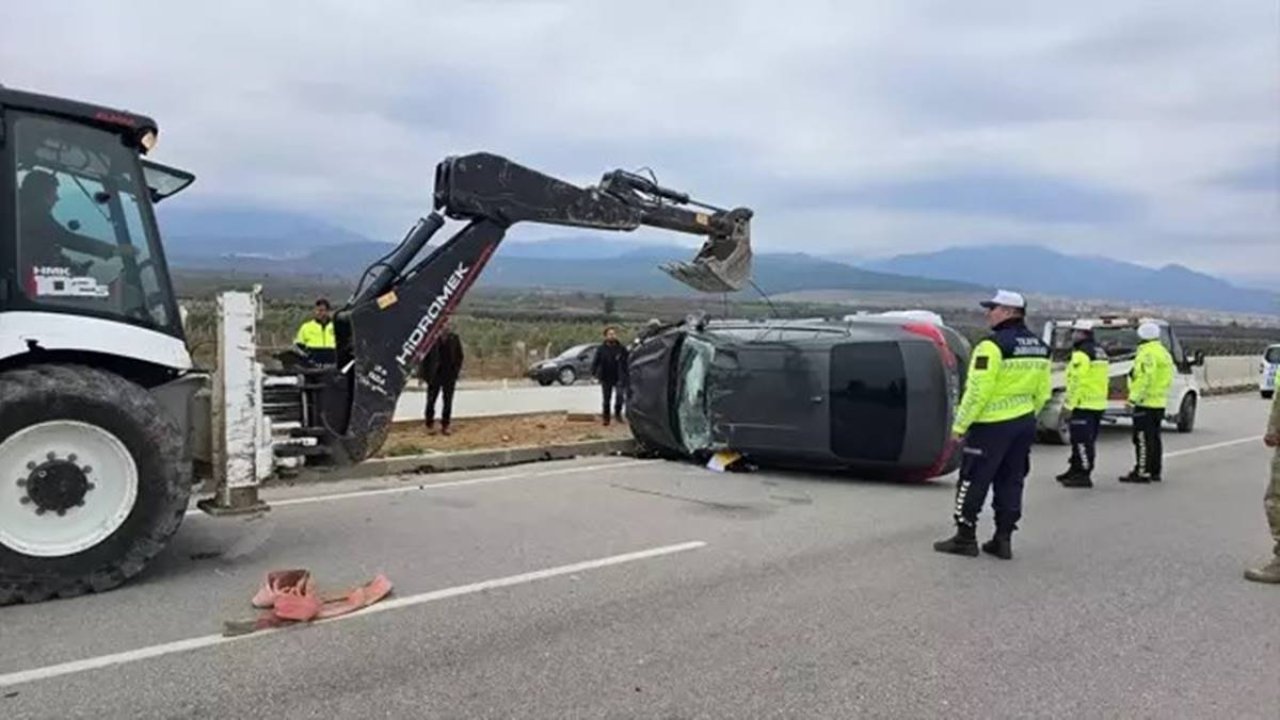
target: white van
1268 369
1118 335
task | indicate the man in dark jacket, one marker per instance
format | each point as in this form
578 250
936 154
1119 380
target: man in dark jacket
440 370
610 367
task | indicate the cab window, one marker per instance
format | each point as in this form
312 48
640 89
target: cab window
83 240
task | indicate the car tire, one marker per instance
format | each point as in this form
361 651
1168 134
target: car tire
545 381
1187 414
566 376
119 460
1268 394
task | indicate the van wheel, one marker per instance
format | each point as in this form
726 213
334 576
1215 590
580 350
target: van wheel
1187 414
1268 394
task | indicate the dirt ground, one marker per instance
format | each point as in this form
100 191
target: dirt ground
412 438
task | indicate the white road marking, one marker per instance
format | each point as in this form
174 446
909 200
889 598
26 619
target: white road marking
396 603
422 487
1214 446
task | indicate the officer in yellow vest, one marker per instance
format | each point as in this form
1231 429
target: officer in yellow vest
1006 388
1149 382
315 337
1088 379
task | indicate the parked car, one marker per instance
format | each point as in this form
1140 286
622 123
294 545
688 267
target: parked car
874 395
1268 368
566 367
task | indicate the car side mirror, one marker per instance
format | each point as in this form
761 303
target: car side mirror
1198 358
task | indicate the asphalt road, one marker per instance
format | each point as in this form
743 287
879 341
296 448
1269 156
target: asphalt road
639 589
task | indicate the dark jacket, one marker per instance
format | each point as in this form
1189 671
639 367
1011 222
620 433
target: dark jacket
443 363
610 363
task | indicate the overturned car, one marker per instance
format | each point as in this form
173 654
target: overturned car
872 395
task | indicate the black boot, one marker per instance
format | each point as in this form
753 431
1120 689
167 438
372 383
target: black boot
1080 479
1000 545
1134 477
964 542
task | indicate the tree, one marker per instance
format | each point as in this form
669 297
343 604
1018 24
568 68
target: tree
610 304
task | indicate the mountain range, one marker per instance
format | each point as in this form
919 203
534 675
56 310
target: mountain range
263 242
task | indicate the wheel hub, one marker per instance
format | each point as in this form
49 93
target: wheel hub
56 485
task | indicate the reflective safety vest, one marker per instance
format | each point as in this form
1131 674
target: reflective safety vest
1008 378
1088 378
314 336
1151 376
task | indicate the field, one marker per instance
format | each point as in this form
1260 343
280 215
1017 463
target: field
504 331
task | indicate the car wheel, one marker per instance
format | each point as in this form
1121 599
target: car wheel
544 381
567 376
1187 414
1268 394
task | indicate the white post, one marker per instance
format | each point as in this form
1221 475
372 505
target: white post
241 432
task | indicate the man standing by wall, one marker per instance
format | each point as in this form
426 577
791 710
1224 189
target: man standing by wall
1149 383
315 337
610 367
440 370
1007 386
1088 378
1270 573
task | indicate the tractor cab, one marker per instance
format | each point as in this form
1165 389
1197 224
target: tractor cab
79 237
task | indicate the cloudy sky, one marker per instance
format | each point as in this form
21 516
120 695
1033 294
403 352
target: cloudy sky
1146 131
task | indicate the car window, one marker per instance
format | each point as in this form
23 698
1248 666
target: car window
1273 354
868 400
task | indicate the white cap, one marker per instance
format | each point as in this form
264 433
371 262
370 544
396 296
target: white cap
1149 331
1005 298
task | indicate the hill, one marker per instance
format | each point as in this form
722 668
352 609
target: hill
583 263
1039 270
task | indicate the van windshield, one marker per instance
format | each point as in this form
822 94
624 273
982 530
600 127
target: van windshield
1119 342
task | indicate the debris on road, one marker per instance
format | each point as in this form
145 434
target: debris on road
291 597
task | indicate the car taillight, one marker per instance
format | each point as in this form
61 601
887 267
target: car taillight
934 334
949 359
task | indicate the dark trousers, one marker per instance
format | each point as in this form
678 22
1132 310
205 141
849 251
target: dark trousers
1084 439
614 390
1148 445
996 456
436 390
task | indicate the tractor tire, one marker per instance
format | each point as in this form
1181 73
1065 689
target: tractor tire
92 481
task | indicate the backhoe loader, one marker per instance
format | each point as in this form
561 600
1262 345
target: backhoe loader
105 424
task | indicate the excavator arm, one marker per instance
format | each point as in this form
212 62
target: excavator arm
393 319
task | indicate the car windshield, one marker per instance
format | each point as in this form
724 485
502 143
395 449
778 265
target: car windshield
84 239
696 356
1273 354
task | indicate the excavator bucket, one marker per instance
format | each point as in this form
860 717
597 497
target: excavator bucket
722 265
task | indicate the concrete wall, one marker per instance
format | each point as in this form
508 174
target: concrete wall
1229 372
